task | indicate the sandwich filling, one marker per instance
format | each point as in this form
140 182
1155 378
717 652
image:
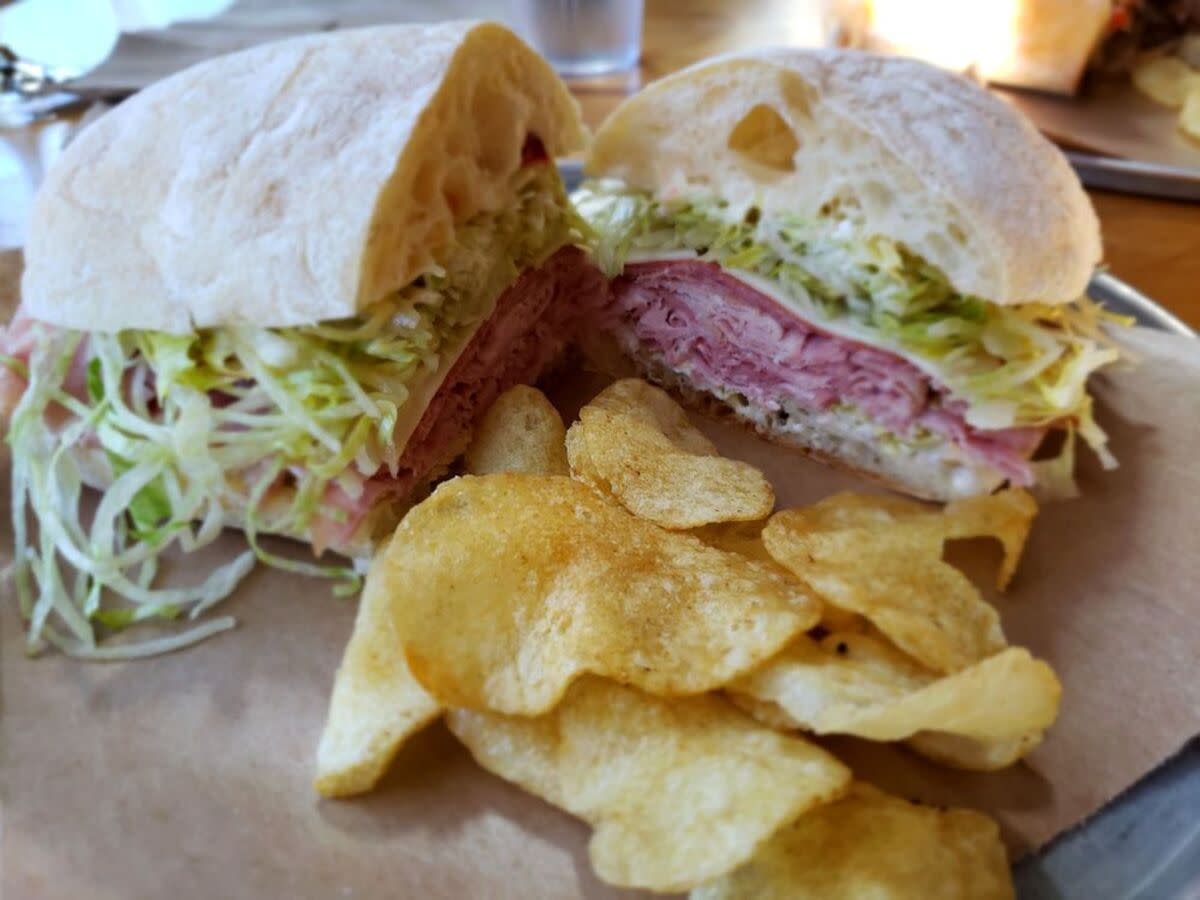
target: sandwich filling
321 432
818 315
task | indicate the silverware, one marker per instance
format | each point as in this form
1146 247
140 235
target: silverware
30 91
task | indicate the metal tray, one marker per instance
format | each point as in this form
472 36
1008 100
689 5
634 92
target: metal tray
1129 176
1122 298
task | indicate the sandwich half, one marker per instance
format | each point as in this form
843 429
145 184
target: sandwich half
274 292
865 257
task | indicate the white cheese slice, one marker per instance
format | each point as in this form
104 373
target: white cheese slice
419 397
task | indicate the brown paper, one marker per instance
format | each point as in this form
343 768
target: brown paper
1113 118
189 776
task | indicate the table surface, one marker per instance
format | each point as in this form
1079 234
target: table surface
1154 245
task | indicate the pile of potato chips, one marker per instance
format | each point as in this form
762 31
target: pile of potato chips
1174 81
611 618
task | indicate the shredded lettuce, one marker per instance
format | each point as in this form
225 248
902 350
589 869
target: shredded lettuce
187 430
1013 366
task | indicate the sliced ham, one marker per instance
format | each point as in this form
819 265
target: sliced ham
531 325
725 335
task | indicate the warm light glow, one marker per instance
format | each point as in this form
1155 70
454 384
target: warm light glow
1035 43
789 23
951 33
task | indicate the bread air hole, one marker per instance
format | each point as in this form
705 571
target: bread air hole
764 138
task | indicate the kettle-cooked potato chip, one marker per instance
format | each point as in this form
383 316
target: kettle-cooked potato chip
815 682
1165 80
858 684
871 844
507 587
678 791
634 443
654 406
894 576
520 432
1189 116
742 538
1006 516
745 539
376 703
971 754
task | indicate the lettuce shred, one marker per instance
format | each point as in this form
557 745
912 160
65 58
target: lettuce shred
184 428
1014 366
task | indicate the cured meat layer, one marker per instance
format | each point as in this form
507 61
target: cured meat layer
726 336
532 324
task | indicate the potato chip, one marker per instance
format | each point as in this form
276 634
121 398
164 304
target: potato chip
958 752
1006 516
871 844
376 704
635 444
745 539
850 509
654 406
1189 117
742 538
508 587
1165 79
858 684
521 432
678 791
893 576
814 682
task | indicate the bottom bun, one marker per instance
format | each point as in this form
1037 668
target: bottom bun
938 471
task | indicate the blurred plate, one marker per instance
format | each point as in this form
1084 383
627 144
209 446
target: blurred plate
1112 117
1115 121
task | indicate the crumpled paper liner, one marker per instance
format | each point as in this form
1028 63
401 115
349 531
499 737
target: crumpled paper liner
190 775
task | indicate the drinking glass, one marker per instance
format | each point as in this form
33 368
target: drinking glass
583 38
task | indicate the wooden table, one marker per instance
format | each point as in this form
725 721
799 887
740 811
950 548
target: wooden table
1152 244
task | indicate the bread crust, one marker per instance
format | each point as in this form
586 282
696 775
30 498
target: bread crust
290 183
929 158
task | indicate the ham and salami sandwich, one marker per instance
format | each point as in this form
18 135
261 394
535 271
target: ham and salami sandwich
864 257
274 292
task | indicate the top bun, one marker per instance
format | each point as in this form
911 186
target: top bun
290 183
932 160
